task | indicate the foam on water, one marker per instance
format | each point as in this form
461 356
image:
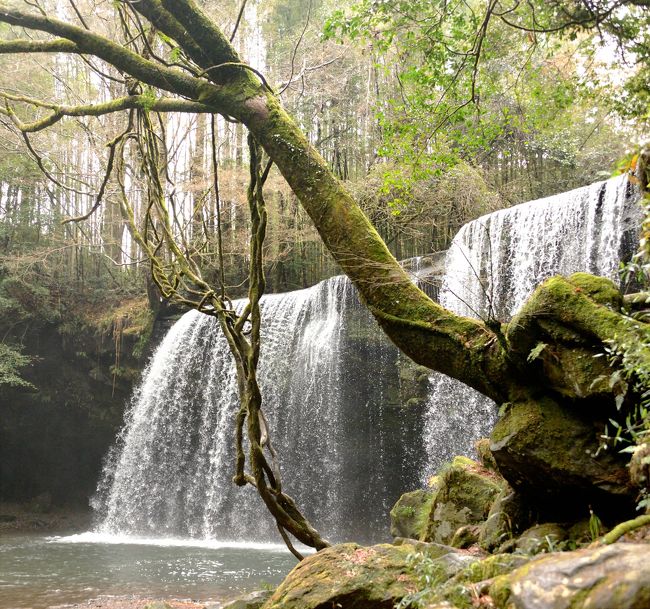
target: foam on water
95 537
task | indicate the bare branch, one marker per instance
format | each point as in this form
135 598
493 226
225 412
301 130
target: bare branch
113 53
238 21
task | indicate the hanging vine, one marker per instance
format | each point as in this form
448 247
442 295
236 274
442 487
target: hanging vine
178 276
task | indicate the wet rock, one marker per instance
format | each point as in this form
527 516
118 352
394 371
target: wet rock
408 518
465 495
348 576
605 577
254 600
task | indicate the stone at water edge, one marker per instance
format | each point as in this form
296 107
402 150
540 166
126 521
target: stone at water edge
604 577
355 577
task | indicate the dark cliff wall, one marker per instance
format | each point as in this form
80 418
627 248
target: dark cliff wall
54 436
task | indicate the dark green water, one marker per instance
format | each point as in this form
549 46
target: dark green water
39 572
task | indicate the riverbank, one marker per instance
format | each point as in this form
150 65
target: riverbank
39 517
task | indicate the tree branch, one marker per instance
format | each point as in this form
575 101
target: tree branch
113 53
60 45
143 102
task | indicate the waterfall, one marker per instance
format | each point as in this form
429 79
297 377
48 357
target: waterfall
495 262
330 380
336 392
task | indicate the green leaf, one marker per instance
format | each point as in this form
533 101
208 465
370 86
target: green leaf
536 351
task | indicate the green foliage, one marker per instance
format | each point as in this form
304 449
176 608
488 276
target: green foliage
536 351
596 528
630 359
11 363
433 207
22 301
469 83
150 97
430 573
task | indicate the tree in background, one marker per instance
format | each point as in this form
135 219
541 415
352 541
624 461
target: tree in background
524 90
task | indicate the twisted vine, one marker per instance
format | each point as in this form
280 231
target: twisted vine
179 280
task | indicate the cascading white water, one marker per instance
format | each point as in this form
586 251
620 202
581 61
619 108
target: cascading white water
495 262
325 371
329 378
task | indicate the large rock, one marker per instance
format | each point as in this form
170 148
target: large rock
605 577
547 453
349 576
509 515
465 494
561 327
409 515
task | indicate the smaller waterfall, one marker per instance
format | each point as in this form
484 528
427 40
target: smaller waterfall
493 265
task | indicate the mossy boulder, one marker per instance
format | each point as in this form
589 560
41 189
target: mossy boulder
605 577
562 326
409 515
541 538
509 515
548 453
348 576
465 495
485 455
